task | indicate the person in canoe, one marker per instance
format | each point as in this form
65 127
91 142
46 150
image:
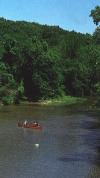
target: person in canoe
25 123
35 123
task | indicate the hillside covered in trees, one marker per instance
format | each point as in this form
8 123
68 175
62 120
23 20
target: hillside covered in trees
42 62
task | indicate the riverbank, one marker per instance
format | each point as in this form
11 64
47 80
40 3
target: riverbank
65 100
68 100
78 103
75 102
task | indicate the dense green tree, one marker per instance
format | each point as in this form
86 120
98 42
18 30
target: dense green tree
40 61
89 66
96 36
8 86
95 14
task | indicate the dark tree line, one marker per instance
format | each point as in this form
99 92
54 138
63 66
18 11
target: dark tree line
41 62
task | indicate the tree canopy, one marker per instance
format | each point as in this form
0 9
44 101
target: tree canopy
95 14
41 62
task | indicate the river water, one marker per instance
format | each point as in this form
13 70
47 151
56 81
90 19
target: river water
68 146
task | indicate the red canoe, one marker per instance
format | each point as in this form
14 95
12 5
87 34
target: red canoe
30 125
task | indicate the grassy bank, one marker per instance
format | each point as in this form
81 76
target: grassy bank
68 100
87 104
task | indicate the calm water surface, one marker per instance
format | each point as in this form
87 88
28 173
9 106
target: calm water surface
69 144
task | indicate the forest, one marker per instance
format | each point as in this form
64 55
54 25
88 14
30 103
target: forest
39 62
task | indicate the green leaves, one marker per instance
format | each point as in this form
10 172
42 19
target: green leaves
97 87
95 14
43 62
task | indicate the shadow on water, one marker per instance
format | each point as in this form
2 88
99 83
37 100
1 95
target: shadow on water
91 138
91 125
93 142
83 157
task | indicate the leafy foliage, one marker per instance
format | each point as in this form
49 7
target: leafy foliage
41 62
95 14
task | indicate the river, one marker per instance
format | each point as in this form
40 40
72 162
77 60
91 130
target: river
68 146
